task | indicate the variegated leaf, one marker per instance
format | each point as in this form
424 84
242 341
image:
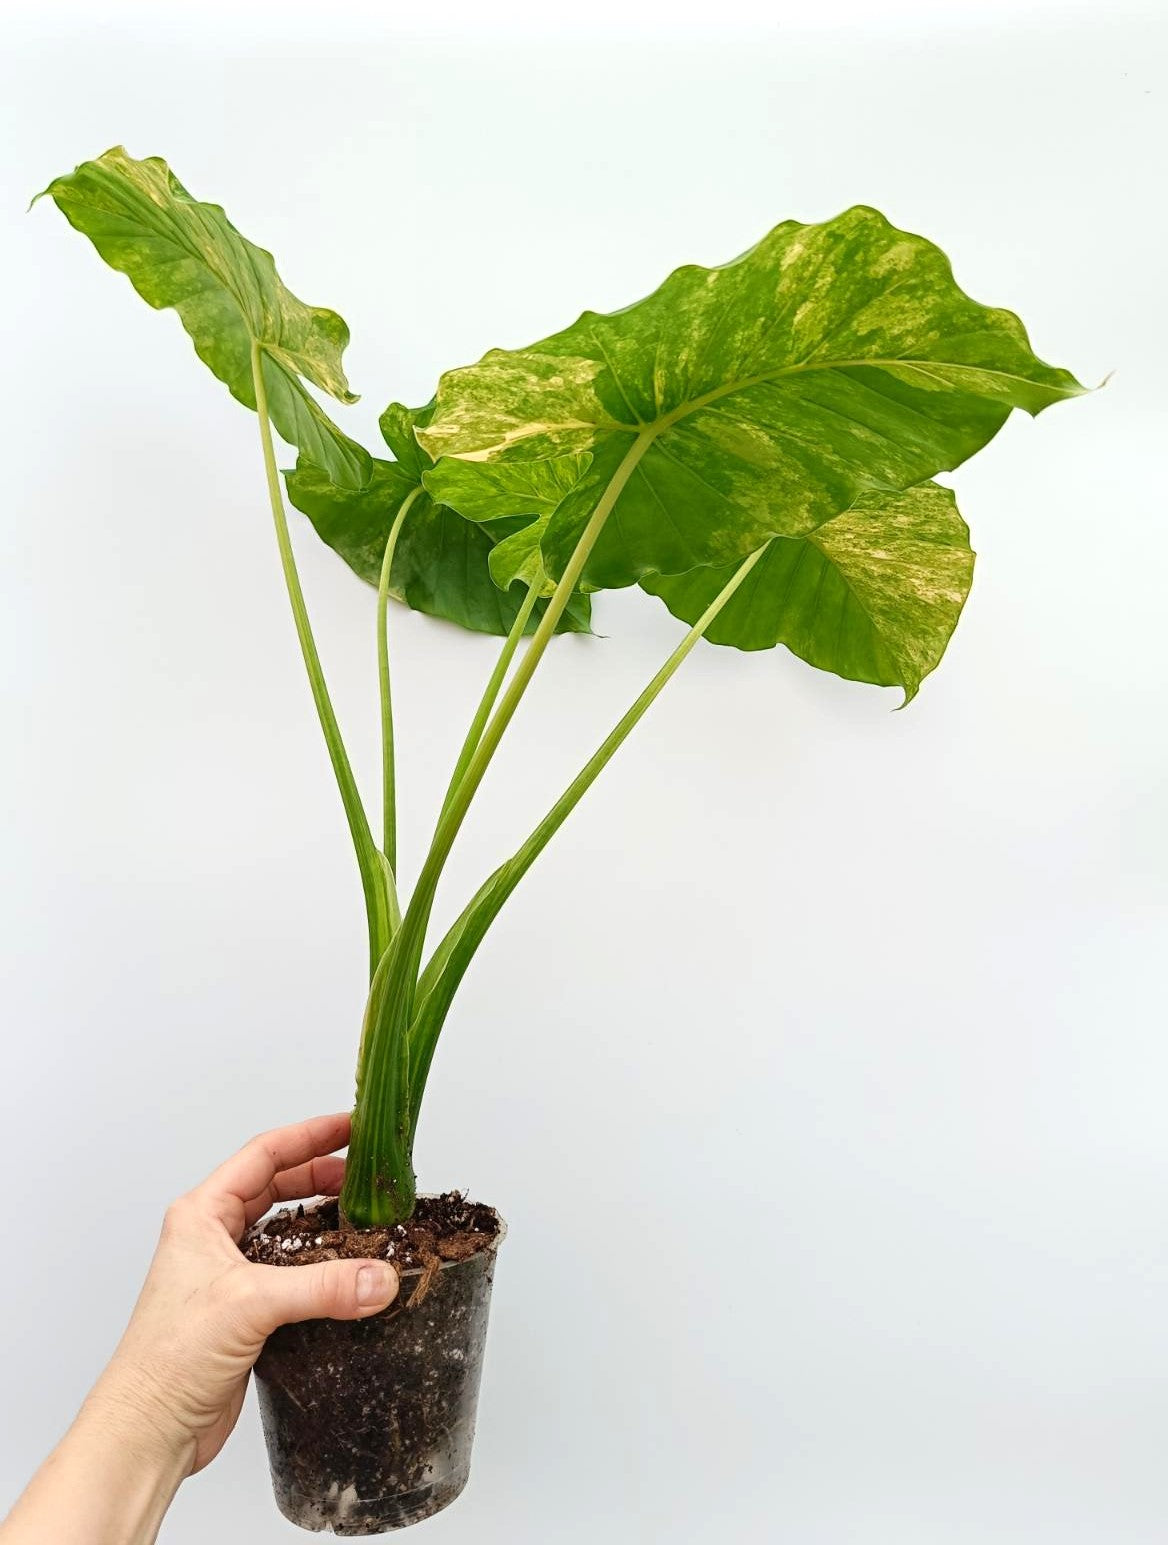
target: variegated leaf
759 399
873 594
180 253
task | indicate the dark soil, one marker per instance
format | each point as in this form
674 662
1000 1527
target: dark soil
443 1228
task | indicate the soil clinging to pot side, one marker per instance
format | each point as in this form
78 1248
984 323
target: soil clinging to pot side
443 1228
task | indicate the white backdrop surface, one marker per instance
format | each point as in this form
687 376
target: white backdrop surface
847 1026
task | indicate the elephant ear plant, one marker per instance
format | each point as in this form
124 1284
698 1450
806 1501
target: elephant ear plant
752 444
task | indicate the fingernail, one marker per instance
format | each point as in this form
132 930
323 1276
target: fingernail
374 1284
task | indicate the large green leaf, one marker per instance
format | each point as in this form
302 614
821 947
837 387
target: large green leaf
873 594
180 253
441 564
762 398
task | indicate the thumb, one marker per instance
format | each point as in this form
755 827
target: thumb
329 1290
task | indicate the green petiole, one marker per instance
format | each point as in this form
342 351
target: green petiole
377 1124
374 879
491 693
388 769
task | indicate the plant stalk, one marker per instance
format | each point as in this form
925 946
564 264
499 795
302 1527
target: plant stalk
374 882
497 678
388 768
418 913
411 939
370 1195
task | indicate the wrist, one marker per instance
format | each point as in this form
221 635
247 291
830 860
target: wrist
129 1415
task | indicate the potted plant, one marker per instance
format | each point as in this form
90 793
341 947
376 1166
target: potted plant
752 444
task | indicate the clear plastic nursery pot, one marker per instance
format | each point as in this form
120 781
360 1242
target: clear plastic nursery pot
369 1423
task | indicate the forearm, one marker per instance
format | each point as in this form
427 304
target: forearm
108 1482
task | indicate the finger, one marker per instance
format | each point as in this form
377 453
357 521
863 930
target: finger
319 1177
245 1176
330 1290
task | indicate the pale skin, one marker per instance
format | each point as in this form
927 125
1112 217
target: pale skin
172 1392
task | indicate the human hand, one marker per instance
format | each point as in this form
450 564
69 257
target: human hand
172 1391
204 1311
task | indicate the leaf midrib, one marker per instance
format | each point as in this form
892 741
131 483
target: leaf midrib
656 427
675 415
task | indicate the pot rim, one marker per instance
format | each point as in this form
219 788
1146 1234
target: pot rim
490 1248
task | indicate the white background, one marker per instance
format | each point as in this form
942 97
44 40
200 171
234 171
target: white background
843 1029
